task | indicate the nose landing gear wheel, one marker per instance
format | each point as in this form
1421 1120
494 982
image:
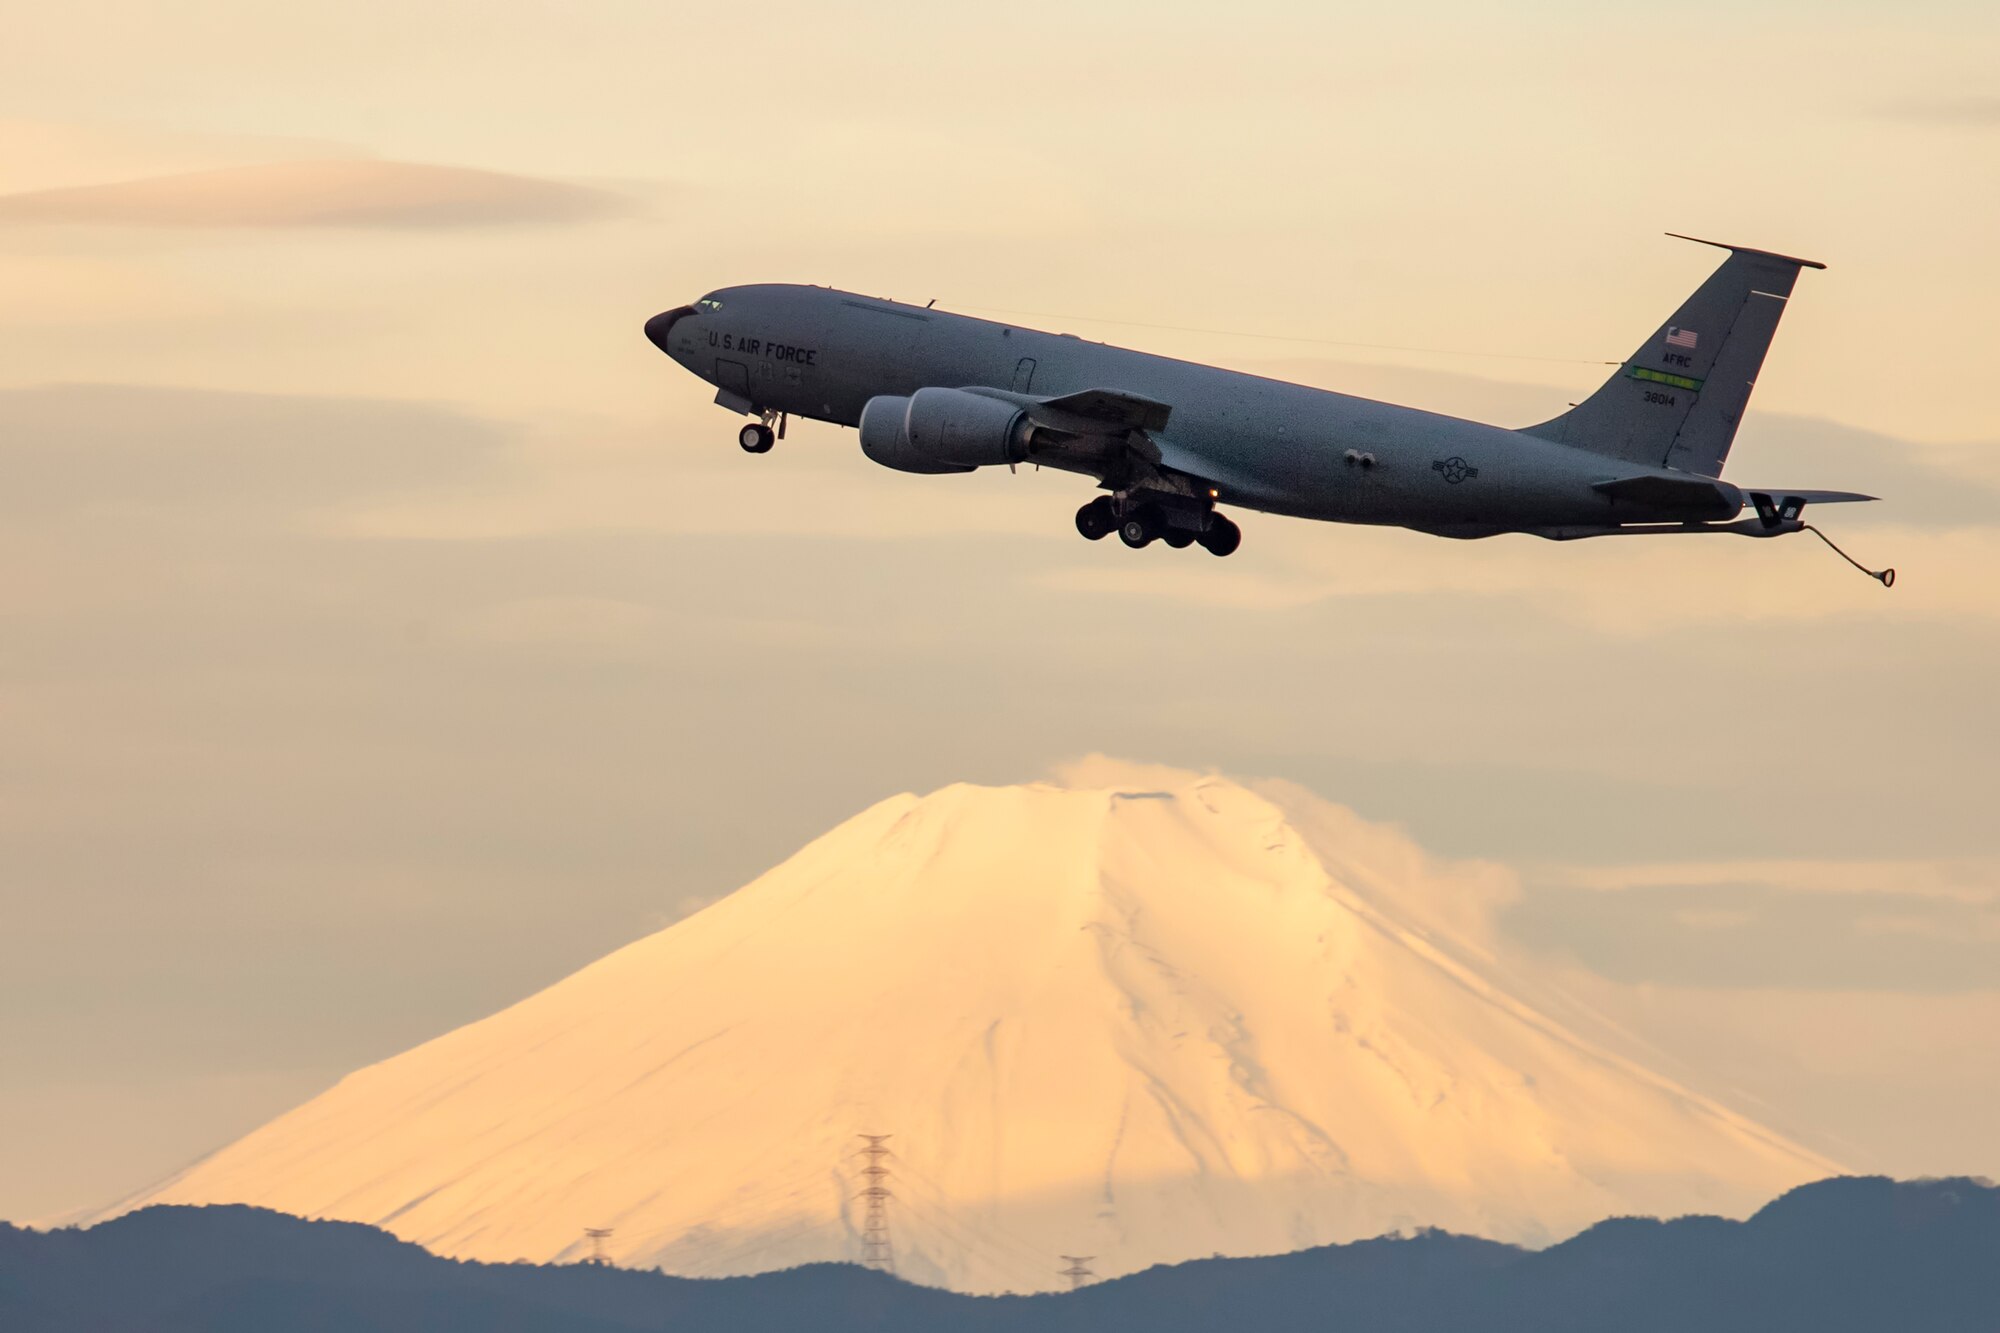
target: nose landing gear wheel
756 438
1222 536
1095 520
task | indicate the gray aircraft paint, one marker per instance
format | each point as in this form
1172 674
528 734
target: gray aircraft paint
1677 400
1642 454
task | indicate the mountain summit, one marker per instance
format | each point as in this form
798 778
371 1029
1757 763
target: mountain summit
1142 1015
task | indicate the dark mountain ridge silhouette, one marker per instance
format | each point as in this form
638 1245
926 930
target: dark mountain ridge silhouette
1851 1253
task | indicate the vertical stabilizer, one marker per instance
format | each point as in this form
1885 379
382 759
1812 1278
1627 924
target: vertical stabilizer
1677 400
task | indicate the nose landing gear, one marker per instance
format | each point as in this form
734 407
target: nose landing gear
759 436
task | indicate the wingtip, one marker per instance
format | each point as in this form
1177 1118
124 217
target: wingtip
1747 250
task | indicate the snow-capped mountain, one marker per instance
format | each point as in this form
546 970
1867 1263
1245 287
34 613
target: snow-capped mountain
1144 1017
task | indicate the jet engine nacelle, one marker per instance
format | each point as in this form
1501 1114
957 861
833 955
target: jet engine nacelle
943 430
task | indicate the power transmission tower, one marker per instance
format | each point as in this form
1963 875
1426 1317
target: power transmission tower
598 1235
1078 1271
876 1251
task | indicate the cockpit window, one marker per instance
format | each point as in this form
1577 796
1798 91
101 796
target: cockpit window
708 303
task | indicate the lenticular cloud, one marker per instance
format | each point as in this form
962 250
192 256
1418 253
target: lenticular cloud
365 193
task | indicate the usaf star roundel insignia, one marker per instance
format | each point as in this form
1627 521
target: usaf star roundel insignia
1454 469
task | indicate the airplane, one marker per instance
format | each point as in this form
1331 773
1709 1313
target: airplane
1174 442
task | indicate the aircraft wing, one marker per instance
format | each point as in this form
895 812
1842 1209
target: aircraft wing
1140 421
1202 469
1115 409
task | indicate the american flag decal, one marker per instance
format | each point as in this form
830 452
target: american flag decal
1680 337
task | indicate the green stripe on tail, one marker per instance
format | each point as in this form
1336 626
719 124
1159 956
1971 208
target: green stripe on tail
1662 377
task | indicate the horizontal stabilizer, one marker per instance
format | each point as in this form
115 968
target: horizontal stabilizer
1810 497
1682 494
1747 250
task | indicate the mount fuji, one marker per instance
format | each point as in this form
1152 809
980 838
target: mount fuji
1138 1014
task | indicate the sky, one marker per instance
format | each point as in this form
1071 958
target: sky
387 629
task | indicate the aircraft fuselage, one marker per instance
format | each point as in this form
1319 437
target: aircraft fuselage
1258 443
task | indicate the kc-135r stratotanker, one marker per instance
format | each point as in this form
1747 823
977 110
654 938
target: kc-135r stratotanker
1172 441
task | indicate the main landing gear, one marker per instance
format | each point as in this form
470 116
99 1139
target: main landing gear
1143 524
1096 519
759 436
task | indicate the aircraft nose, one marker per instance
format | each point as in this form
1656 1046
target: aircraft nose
661 324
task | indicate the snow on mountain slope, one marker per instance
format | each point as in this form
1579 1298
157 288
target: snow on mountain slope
1142 1022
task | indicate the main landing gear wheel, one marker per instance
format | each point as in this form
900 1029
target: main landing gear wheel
756 438
1178 538
1138 529
1096 519
1222 536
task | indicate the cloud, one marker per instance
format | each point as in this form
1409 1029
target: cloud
567 624
1714 918
39 154
1886 1081
352 193
78 295
1917 926
1751 935
255 457
234 721
1977 112
1937 526
1092 771
1971 880
1921 925
1635 588
1458 898
1225 589
1462 898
